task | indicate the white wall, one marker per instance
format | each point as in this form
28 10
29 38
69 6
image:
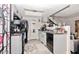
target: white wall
68 21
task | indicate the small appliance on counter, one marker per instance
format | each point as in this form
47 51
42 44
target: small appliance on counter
60 30
15 28
43 28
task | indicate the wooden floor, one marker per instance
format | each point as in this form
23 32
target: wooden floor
35 47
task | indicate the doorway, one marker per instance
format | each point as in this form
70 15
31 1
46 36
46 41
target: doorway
77 29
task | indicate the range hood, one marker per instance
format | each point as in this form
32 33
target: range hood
51 17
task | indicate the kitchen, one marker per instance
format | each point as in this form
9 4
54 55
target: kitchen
39 30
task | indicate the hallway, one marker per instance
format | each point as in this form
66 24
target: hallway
35 47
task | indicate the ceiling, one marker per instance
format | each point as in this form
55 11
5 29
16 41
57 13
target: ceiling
50 9
71 11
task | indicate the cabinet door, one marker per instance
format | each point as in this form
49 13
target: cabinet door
16 44
60 43
40 36
43 37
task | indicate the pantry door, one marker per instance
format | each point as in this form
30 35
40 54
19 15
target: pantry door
77 28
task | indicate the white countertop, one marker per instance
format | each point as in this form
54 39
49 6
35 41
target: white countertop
52 32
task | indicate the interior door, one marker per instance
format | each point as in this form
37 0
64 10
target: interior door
33 29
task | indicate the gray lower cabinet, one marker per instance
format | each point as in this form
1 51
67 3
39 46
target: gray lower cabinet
60 43
16 44
42 37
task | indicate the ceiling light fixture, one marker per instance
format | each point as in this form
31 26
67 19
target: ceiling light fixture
33 10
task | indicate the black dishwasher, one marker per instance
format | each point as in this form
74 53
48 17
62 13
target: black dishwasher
50 41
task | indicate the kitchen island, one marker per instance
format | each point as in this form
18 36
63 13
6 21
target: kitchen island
57 43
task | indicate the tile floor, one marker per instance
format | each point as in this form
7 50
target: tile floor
35 47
